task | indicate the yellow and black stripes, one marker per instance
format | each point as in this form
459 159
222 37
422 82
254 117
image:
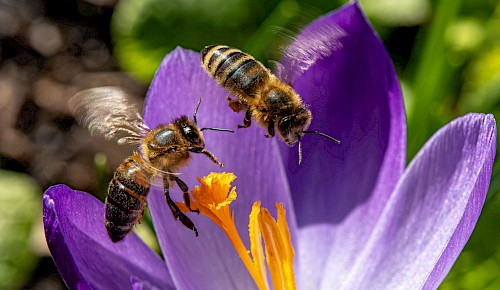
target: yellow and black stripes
124 206
233 69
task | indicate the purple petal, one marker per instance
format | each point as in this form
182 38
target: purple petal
486 146
339 190
210 261
85 255
428 220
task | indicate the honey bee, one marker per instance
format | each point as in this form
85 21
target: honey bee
272 103
162 152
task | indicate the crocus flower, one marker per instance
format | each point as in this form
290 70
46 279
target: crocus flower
357 218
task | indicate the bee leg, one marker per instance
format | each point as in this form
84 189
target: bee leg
140 217
205 152
270 129
247 121
176 212
236 105
185 191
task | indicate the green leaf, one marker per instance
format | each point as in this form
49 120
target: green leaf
20 206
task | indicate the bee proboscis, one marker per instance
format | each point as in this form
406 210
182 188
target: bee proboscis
272 103
163 151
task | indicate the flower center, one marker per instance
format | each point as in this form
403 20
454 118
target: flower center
213 198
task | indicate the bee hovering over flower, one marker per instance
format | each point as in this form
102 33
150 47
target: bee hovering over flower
162 152
272 103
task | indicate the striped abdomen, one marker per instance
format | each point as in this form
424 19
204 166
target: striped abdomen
238 72
126 198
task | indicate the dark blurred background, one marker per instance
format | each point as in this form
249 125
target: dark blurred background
446 54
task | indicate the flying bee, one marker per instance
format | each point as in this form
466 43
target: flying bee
269 101
162 152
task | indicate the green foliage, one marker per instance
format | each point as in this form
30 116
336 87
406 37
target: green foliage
144 31
456 67
20 206
102 174
397 12
432 77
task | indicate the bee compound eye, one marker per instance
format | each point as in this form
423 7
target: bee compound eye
163 137
284 124
191 134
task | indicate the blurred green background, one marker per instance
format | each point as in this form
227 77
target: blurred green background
446 54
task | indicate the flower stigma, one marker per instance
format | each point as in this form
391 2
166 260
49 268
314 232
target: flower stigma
270 239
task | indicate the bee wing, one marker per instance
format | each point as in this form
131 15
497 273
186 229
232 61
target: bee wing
307 48
158 182
108 111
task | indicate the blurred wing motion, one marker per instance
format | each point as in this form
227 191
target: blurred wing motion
307 48
108 111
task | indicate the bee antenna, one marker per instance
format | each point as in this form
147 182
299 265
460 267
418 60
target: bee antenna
213 129
218 129
196 111
300 152
322 134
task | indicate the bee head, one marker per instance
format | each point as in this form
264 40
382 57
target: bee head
292 127
191 131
